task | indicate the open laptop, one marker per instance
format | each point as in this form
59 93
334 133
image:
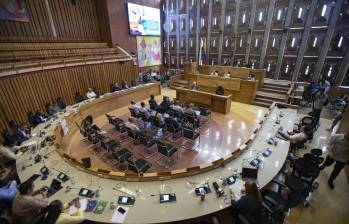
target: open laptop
55 186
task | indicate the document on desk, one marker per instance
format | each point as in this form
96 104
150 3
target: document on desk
118 217
236 188
83 205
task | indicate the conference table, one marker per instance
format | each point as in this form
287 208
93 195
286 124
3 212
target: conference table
147 207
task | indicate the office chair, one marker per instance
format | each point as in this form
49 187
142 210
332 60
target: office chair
113 120
145 119
172 129
133 135
110 145
122 155
308 170
138 165
191 119
148 141
167 151
133 113
297 193
192 135
156 123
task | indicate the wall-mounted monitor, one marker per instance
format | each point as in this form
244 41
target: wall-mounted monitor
143 20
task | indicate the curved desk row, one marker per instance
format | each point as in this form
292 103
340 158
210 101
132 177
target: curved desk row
147 208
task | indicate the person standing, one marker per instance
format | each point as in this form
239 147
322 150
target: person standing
338 148
320 100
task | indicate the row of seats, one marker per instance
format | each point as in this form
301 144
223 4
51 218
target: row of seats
8 56
50 46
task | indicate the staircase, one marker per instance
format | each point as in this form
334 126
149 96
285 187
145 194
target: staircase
272 90
179 84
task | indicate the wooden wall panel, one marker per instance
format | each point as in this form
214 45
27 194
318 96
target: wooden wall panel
73 22
29 92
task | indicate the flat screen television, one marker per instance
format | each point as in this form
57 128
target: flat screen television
143 20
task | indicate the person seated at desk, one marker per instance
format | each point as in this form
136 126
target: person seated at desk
27 203
249 205
114 87
226 75
131 124
220 91
251 77
165 104
160 118
144 110
124 85
133 106
87 124
55 107
7 156
20 133
56 215
194 86
94 89
78 97
214 73
60 103
49 109
134 83
297 138
91 94
177 107
174 121
39 117
152 103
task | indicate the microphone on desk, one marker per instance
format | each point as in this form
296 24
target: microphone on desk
218 190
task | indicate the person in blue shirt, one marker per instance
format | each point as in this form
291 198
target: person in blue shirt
39 117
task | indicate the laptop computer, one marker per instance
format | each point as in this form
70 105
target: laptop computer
55 186
197 112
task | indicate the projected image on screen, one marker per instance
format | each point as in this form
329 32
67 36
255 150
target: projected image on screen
149 51
143 20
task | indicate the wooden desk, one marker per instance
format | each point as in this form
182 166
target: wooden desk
148 209
235 72
217 103
241 90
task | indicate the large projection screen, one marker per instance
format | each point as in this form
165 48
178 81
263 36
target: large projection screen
148 51
143 20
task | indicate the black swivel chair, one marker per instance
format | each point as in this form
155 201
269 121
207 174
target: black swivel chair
113 120
193 120
297 193
148 142
170 127
122 155
133 135
138 165
308 170
191 134
134 113
157 123
167 151
110 145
